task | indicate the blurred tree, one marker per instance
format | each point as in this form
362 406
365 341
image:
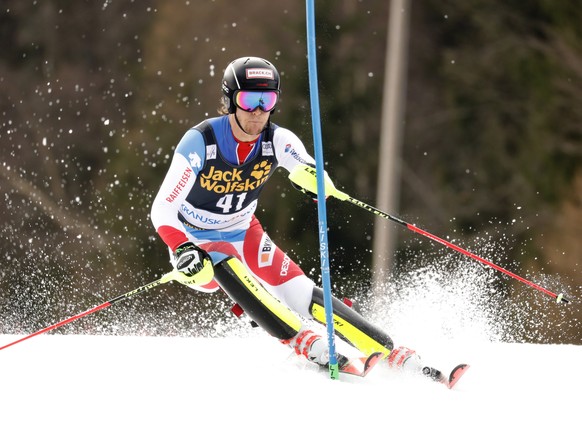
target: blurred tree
94 97
66 82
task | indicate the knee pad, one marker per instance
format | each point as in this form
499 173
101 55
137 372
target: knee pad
351 326
263 308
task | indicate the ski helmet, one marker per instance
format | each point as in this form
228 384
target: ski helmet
248 74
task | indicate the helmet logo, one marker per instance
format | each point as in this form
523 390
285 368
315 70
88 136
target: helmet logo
259 73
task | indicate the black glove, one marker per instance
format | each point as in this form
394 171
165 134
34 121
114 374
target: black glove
190 259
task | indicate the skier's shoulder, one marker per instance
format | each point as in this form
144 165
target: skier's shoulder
284 135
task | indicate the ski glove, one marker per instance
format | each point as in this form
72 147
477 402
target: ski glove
190 259
309 181
310 194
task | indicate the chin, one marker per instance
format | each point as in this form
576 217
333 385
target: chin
255 131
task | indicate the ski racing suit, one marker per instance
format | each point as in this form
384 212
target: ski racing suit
207 198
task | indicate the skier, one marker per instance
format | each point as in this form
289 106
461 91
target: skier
204 212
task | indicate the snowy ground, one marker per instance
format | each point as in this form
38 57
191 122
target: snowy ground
90 379
448 314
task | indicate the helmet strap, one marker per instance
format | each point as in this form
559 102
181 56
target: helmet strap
243 130
239 125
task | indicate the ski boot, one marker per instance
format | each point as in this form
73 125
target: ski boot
407 360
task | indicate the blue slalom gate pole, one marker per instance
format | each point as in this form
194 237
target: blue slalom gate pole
321 210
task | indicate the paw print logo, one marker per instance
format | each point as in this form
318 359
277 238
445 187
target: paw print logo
261 169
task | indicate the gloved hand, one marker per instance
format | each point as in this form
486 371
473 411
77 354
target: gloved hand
304 191
190 259
308 182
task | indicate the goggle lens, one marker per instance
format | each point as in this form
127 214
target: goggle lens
250 100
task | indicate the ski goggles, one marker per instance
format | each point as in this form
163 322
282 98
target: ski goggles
251 100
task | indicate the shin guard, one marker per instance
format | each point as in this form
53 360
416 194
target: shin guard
351 326
263 308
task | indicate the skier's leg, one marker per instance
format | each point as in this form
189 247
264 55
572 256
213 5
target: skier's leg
365 336
286 281
352 326
264 309
269 313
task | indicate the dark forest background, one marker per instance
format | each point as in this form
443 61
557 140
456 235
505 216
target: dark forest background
95 95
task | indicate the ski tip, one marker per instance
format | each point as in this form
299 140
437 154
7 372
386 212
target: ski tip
372 360
361 366
456 374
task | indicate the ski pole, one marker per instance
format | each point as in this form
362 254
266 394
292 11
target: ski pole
303 175
203 277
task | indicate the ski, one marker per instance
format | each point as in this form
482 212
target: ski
453 378
359 366
456 374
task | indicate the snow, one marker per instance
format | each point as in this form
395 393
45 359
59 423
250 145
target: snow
448 310
252 378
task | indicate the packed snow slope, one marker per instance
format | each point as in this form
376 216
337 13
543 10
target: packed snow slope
449 311
252 378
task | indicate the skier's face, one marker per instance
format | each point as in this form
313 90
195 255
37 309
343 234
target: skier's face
252 122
